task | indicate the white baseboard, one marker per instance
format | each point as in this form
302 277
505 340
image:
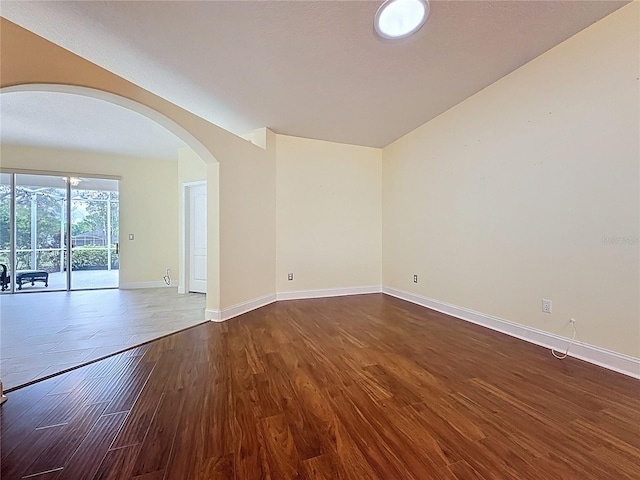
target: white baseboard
618 362
136 285
236 310
329 292
239 309
212 315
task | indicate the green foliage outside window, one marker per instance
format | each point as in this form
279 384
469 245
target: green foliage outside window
92 258
89 211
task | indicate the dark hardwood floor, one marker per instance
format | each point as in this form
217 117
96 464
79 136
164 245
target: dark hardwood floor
364 387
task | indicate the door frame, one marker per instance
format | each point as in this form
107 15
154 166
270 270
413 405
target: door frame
185 235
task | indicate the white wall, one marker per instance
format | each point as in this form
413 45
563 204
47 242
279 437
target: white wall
329 215
510 196
148 203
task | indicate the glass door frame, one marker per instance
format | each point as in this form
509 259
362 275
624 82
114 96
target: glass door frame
13 172
67 235
12 233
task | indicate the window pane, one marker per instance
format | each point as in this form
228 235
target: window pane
40 228
94 227
5 219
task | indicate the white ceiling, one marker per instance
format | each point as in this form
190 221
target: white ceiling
74 122
308 68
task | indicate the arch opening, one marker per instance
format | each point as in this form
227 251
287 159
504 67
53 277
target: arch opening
175 128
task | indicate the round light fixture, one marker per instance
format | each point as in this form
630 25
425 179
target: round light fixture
401 18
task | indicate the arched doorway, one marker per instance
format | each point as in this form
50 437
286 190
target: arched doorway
154 198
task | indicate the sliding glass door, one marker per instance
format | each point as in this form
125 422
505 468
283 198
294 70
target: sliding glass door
58 232
94 233
40 231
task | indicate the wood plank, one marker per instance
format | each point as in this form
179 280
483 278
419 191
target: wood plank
157 444
117 464
139 418
283 458
13 464
130 388
67 440
220 468
250 456
85 461
187 454
19 430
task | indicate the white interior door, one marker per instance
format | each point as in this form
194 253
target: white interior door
198 239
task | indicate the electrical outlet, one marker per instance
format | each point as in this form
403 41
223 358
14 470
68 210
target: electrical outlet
546 305
415 279
131 236
290 277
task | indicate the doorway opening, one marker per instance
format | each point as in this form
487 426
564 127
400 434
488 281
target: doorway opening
195 236
58 232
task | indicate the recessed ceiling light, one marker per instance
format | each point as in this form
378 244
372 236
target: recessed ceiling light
401 18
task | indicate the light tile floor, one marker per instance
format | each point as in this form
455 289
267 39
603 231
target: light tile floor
45 333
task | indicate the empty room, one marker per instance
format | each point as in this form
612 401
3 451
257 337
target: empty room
320 239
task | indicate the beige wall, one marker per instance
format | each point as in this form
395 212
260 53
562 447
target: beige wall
213 236
507 198
329 218
191 168
148 203
248 226
244 233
